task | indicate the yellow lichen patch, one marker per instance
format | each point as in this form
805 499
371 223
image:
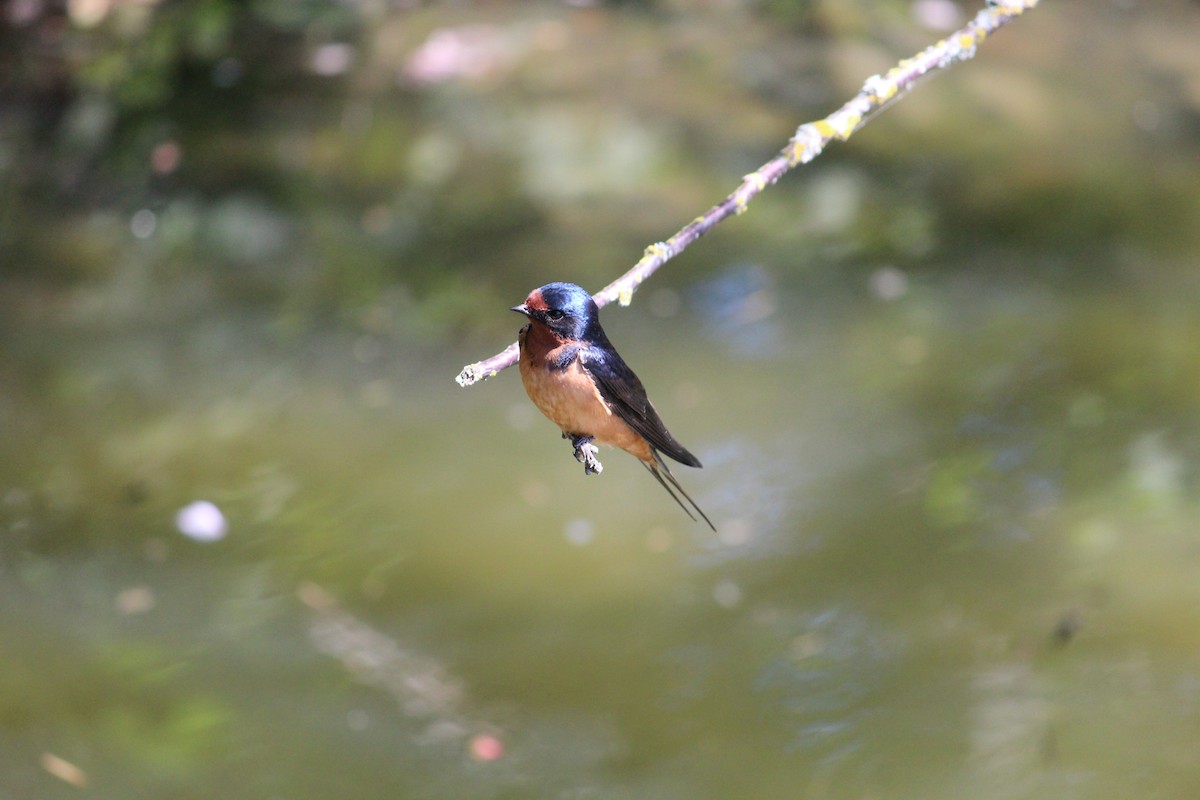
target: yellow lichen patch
755 181
849 123
879 89
803 142
795 153
826 130
625 296
808 143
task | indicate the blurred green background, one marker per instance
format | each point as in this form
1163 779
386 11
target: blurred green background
945 382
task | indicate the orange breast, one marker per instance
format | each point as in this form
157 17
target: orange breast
569 397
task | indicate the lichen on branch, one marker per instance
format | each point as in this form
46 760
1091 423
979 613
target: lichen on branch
877 92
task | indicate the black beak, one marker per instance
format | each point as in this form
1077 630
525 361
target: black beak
521 309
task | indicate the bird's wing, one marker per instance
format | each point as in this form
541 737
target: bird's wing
626 396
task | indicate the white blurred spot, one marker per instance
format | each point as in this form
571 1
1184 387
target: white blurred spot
202 521
1156 468
470 52
579 531
727 594
143 223
88 13
64 770
937 15
332 59
135 600
888 283
835 199
735 532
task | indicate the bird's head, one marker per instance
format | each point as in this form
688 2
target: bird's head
566 309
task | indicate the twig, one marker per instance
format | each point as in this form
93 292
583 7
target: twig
805 145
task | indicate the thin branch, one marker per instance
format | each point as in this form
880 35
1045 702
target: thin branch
805 145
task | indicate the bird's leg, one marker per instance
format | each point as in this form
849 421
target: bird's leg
585 453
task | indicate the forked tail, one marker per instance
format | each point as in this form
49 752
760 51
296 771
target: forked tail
662 473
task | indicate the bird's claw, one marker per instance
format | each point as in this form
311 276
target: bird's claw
585 453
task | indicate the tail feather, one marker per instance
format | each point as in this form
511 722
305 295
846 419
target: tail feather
662 473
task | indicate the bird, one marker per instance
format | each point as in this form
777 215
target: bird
575 377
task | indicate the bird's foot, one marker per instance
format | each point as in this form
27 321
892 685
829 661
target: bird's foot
585 453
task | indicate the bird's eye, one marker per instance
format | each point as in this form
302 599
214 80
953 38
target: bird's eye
555 314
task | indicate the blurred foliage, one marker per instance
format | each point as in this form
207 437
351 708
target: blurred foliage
936 376
338 159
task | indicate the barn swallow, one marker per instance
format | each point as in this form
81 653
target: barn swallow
577 379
